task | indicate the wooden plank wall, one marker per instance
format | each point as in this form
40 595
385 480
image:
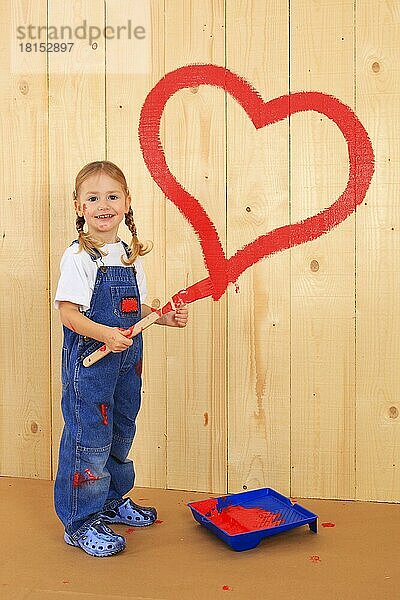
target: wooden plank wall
322 276
378 243
25 408
258 360
194 142
291 379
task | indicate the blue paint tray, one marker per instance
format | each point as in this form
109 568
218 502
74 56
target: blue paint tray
243 520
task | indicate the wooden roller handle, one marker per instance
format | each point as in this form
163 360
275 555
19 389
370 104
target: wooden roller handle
135 330
200 289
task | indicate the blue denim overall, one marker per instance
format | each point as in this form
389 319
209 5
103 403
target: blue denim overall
100 404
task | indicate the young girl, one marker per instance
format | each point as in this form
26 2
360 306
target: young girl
100 294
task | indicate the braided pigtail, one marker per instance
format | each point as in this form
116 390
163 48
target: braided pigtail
136 247
86 242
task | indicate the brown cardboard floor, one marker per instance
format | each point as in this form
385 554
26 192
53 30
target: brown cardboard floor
178 559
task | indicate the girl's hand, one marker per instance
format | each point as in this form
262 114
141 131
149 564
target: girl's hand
176 318
116 340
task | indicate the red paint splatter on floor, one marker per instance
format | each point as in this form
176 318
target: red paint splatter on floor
328 524
159 521
226 588
103 409
130 530
315 558
238 519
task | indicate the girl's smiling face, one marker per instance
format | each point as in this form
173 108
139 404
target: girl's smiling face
103 202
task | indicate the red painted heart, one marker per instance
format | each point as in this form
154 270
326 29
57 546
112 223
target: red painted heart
361 158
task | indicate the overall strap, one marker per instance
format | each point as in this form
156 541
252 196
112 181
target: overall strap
128 253
127 249
94 255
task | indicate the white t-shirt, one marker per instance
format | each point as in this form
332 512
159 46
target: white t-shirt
79 271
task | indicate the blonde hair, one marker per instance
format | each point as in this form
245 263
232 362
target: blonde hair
88 242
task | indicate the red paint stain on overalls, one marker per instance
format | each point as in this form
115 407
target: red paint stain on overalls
77 480
80 479
138 368
90 475
129 305
103 409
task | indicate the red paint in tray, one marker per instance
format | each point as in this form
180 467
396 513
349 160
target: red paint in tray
239 519
242 520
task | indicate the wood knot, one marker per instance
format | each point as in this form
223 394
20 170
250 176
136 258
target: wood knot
314 266
393 412
23 87
376 67
194 89
34 427
205 419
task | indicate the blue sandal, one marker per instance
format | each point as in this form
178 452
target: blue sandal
125 511
97 540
